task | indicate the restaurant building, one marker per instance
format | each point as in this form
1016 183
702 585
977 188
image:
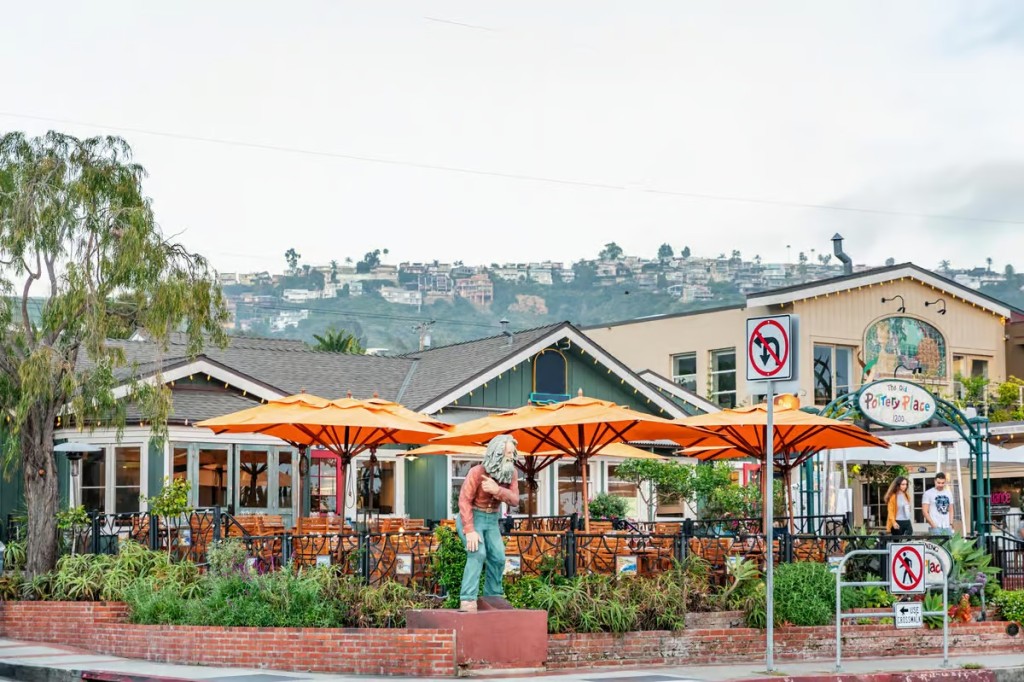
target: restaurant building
255 474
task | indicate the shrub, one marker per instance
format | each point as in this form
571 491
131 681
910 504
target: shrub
805 594
1011 605
605 506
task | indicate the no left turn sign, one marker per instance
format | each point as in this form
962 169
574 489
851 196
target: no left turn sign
906 568
769 344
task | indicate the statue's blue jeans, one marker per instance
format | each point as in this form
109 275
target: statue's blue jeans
490 555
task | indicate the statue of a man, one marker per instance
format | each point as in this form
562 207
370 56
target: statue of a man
486 486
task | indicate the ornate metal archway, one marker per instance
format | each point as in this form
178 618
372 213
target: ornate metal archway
974 430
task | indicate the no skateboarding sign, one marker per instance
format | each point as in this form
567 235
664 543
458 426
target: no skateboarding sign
769 344
906 568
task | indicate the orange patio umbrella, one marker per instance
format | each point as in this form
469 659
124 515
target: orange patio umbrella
346 427
581 427
533 463
798 436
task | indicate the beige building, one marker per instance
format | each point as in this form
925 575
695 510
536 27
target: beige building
899 321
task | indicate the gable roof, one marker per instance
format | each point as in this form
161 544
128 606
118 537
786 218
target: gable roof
879 276
426 380
443 369
666 385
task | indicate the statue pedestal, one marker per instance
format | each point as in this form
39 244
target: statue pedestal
496 636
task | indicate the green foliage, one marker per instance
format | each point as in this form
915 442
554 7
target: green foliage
338 341
70 519
75 220
805 594
741 501
869 597
742 575
1010 604
933 602
881 475
755 607
172 500
14 556
606 506
449 563
971 564
668 481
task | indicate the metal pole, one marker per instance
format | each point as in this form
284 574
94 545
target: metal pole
945 613
769 499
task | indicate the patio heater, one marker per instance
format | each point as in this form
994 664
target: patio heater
74 452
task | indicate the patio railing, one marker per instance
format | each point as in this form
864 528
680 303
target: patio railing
538 547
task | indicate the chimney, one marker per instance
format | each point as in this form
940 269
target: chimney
837 249
504 329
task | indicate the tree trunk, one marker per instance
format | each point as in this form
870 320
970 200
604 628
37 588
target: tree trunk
41 494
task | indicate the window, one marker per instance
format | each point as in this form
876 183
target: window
626 489
252 478
549 373
875 508
179 468
684 370
94 481
924 483
323 483
375 489
460 469
979 368
127 479
723 377
284 476
570 488
213 477
833 369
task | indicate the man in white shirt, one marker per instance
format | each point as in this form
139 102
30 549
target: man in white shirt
937 506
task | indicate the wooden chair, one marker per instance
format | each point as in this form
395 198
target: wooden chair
715 551
806 549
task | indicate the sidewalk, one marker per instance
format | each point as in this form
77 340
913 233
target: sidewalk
54 663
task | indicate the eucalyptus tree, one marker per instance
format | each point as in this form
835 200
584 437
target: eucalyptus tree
79 246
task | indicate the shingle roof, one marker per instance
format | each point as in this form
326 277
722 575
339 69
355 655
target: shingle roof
439 370
288 367
194 405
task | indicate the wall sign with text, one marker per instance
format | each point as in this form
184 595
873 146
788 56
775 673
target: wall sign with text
896 403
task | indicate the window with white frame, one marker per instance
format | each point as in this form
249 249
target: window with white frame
111 480
833 372
723 377
626 489
684 370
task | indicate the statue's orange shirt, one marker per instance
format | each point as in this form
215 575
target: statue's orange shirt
472 495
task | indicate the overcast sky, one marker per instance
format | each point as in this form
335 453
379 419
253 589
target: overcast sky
526 130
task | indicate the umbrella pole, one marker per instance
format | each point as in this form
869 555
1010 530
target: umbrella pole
586 498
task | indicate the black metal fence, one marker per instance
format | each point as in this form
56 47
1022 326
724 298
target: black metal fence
534 547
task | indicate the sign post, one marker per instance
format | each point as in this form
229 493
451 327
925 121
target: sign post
769 359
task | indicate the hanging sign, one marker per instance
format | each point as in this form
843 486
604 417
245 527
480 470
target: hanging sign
769 341
896 403
906 568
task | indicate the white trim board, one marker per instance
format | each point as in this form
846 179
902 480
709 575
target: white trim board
215 371
770 298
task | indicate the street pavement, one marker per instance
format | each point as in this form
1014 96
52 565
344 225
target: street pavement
14 655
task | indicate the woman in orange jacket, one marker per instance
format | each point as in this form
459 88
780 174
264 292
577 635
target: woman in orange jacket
899 520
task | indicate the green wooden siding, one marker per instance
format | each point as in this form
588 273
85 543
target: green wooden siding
512 388
426 486
155 476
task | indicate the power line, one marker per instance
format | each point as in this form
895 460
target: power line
521 176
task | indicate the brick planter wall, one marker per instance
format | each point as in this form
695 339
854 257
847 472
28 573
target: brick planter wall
102 627
736 645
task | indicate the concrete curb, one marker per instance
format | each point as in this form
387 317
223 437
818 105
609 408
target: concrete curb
966 675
